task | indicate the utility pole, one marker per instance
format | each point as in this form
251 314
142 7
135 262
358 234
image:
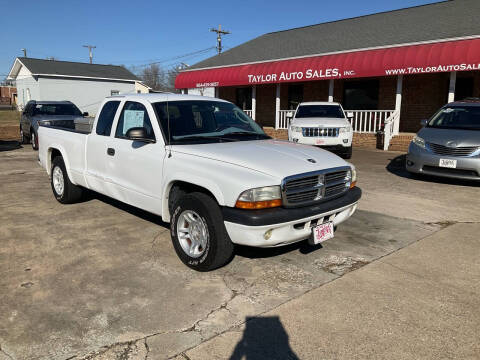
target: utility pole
219 32
90 53
24 52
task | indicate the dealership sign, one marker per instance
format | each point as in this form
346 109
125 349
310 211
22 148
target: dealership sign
459 55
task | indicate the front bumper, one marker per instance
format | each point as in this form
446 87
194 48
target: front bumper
343 139
247 227
422 161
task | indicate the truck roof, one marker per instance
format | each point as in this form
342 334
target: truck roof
156 97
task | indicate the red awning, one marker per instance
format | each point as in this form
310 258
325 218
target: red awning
459 55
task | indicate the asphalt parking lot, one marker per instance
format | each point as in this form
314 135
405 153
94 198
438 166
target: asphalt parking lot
100 280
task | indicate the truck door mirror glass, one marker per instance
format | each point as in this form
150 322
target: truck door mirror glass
424 122
139 134
349 114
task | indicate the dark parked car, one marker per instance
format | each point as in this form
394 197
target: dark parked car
449 143
36 111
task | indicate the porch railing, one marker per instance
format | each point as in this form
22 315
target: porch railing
389 128
283 121
249 113
369 121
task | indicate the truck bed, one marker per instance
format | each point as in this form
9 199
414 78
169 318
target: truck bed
81 125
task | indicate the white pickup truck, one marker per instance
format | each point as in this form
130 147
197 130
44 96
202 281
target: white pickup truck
205 167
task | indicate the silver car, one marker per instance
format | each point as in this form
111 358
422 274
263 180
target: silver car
449 143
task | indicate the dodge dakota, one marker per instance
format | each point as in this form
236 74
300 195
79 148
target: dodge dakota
207 168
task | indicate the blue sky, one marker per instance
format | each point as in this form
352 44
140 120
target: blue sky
139 32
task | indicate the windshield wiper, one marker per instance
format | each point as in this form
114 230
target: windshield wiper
201 137
246 133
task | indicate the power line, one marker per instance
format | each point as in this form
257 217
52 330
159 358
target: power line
219 32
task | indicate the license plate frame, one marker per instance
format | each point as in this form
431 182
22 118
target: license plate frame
447 163
323 232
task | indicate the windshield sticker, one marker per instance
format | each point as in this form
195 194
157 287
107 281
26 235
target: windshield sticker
447 110
132 118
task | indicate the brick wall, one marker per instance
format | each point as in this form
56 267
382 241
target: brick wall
315 91
422 96
228 93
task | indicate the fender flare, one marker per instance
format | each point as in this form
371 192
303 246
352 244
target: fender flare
64 157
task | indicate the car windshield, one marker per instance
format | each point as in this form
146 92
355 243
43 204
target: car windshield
319 111
457 117
202 121
56 109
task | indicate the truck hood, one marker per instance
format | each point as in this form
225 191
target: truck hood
272 157
320 122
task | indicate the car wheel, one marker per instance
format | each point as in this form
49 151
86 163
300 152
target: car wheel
34 140
198 233
63 189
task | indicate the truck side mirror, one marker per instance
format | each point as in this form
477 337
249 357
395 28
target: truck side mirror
349 114
290 115
424 122
139 134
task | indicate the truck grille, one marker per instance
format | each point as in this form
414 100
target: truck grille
452 151
309 188
320 132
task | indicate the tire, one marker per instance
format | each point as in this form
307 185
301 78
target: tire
348 153
214 249
34 140
63 189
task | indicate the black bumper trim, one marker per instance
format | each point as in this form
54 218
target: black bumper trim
282 215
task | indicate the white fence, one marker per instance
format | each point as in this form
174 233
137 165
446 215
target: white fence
283 121
249 113
369 121
389 128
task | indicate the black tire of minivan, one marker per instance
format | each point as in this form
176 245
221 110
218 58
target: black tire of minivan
219 248
71 192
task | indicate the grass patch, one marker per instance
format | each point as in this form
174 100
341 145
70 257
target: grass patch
9 117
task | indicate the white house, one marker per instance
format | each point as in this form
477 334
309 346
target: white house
84 84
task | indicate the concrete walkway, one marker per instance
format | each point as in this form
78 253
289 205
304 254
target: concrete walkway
421 302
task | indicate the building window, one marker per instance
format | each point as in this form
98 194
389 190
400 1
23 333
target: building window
295 96
463 88
360 95
244 98
114 92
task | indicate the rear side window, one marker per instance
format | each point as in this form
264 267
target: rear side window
133 115
105 119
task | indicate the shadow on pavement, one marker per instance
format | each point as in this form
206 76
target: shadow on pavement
263 338
9 145
259 253
397 166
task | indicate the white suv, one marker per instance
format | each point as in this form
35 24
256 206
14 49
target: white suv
322 124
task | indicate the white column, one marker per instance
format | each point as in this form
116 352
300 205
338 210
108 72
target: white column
330 90
277 107
398 103
254 101
451 88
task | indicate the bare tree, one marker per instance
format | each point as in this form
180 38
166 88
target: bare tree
154 77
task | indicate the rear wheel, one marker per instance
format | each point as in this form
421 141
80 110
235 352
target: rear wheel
63 189
198 232
34 139
23 138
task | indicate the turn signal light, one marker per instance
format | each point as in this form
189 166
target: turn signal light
353 184
255 205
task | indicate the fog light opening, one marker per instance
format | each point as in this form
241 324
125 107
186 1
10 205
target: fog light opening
268 234
410 163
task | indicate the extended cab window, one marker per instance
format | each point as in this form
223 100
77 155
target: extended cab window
105 119
134 115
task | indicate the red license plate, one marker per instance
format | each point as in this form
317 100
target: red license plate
322 232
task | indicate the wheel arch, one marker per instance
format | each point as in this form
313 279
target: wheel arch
54 151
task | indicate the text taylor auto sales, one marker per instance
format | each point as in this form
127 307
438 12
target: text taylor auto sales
294 75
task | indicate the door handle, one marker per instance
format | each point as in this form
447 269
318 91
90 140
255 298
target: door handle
111 151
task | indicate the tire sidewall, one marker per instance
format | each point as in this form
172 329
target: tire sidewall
203 262
34 140
59 163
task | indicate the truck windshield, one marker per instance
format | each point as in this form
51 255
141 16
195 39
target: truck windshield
56 109
203 121
319 111
457 117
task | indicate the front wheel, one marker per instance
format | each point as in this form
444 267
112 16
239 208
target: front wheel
348 154
198 233
63 189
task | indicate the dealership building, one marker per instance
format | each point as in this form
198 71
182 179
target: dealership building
390 69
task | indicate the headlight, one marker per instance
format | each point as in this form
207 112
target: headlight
345 129
351 178
260 198
417 140
295 129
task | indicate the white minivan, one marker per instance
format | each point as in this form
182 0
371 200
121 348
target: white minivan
322 124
